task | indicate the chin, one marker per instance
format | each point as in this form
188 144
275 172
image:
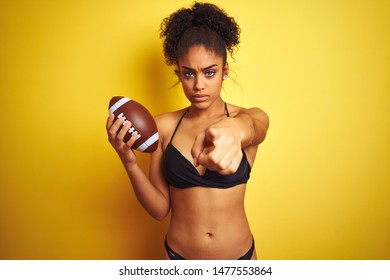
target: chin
200 105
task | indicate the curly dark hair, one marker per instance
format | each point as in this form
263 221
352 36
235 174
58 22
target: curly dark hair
202 24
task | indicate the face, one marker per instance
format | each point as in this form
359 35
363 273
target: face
201 73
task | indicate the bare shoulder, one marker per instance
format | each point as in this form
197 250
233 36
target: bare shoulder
254 112
167 122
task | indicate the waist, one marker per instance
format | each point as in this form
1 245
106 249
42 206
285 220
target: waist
213 244
203 235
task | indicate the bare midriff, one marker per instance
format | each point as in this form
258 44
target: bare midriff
209 223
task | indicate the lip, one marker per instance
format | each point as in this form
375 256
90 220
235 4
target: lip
199 97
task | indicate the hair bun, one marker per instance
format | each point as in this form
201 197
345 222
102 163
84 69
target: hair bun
200 14
216 19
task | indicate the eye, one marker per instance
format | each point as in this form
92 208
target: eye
188 74
210 73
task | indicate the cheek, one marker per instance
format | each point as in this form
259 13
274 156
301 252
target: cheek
185 82
217 85
186 85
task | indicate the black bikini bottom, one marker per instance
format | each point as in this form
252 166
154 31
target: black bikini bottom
175 256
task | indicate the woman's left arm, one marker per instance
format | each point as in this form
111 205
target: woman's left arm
253 125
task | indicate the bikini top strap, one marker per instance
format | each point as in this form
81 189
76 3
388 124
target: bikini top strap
178 123
227 111
181 118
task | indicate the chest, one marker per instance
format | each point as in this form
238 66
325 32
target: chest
185 135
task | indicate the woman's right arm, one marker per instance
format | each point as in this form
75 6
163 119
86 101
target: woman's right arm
152 192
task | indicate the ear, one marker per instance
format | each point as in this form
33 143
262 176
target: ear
225 71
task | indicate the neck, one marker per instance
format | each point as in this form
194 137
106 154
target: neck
216 108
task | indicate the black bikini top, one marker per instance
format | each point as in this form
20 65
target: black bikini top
181 173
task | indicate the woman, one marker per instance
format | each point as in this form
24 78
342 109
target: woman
200 169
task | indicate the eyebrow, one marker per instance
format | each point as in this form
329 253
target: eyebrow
206 68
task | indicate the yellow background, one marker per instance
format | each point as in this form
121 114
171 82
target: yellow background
319 188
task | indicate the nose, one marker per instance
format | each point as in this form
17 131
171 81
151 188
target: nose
199 83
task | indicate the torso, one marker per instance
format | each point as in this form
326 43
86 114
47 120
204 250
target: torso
209 223
206 222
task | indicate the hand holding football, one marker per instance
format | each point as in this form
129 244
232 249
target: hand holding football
142 122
